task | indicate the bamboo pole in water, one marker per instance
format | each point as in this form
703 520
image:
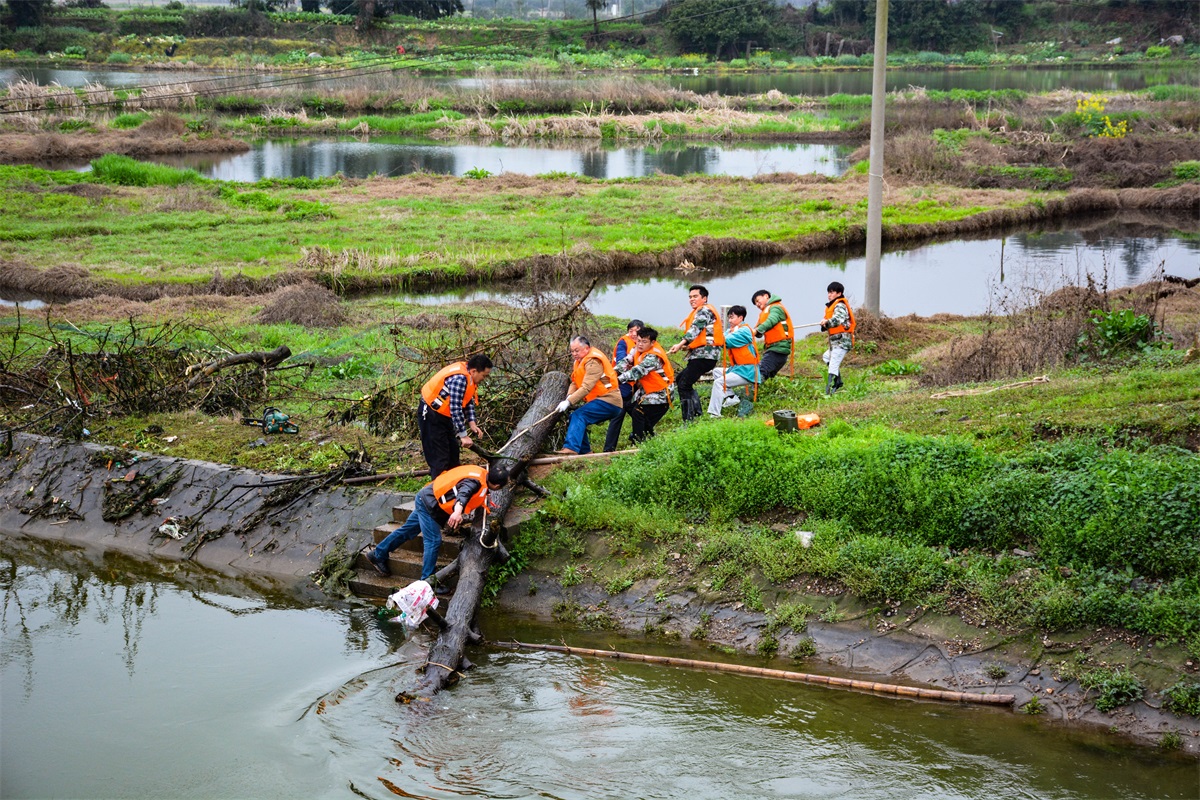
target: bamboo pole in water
780 674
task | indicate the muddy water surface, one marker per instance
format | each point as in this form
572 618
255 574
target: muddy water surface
127 679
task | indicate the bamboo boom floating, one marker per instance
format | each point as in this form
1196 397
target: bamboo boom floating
781 674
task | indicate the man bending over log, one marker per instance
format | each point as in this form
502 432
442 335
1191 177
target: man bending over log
447 411
445 502
595 384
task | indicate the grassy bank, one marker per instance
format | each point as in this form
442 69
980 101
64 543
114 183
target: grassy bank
104 232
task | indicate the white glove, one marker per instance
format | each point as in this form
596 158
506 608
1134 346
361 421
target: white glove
563 406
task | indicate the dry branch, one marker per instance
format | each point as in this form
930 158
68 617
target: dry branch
264 358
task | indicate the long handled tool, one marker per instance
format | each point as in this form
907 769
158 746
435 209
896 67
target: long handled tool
521 433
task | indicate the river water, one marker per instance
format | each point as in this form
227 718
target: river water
124 678
962 276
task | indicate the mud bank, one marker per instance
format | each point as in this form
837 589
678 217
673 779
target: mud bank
887 645
70 493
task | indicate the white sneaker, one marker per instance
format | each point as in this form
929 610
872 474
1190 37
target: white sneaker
730 401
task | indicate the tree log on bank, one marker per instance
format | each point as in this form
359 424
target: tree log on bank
483 548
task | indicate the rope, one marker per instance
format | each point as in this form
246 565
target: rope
965 392
451 670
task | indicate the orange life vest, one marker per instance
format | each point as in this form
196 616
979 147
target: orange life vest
840 328
630 344
747 354
607 382
659 379
782 329
445 488
702 339
436 394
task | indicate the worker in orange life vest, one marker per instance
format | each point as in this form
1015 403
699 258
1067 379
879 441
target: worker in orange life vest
446 412
840 325
703 337
741 367
623 348
654 376
775 326
445 502
594 384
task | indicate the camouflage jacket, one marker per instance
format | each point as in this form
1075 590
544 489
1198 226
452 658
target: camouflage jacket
627 372
704 321
840 317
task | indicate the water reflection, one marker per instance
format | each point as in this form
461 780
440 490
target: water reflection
288 158
963 276
236 693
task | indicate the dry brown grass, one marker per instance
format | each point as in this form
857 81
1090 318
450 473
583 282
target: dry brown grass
305 304
17 148
1028 339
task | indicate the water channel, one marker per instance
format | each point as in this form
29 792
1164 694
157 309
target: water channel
124 678
962 276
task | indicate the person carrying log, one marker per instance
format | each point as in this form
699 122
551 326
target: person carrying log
624 347
447 501
595 385
649 369
446 412
740 370
839 324
775 327
703 337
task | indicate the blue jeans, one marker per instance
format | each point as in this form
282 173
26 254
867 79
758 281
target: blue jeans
587 414
421 522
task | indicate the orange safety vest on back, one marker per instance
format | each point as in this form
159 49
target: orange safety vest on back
445 488
841 328
702 339
435 393
746 354
782 330
607 382
659 379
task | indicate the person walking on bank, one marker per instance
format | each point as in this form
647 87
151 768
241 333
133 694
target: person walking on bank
840 325
446 413
648 367
595 384
775 326
444 503
741 367
623 348
703 337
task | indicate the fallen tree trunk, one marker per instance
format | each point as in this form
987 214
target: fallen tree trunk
483 548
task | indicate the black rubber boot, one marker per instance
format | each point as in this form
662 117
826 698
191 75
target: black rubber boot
837 382
828 385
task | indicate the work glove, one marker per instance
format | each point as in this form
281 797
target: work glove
563 406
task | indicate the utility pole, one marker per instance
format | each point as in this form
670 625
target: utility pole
875 173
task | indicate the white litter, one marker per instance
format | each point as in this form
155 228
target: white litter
413 602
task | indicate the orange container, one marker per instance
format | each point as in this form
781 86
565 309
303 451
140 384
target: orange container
805 421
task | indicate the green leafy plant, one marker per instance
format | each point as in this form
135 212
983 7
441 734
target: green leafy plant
352 367
1116 687
1171 740
1034 706
996 672
803 649
1158 51
831 615
571 576
1187 170
477 173
895 367
1182 698
1113 332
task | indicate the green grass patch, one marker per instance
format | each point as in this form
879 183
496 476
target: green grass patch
128 121
126 171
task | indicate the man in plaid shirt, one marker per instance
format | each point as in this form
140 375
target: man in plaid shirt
446 413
